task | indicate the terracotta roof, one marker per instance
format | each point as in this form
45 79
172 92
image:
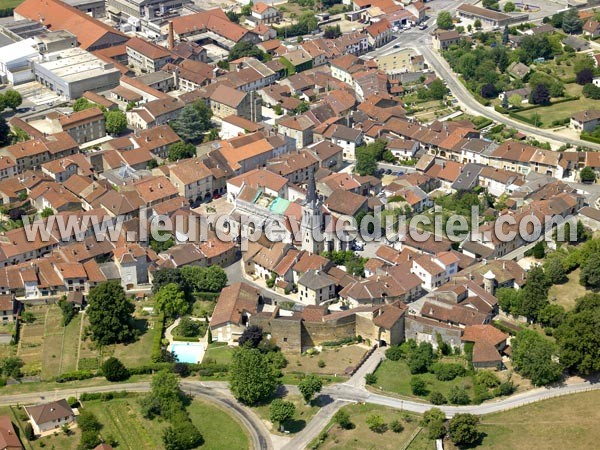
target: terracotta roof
233 301
388 315
484 352
484 333
260 7
57 15
228 96
345 202
9 440
148 49
81 117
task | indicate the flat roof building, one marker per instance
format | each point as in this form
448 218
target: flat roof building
72 72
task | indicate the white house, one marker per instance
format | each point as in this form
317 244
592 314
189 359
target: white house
50 416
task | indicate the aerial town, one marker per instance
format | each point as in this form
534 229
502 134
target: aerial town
299 224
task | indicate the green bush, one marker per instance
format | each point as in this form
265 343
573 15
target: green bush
437 398
75 376
394 353
448 371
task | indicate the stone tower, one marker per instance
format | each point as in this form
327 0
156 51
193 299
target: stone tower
489 282
312 219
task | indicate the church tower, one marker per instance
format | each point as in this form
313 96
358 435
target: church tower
311 227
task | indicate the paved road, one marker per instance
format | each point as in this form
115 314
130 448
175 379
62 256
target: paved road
465 98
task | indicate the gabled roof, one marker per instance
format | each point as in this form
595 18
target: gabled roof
233 302
57 15
49 412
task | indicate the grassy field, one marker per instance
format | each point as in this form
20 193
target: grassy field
548 114
566 294
49 349
394 376
303 414
122 421
337 360
565 422
362 438
219 353
10 3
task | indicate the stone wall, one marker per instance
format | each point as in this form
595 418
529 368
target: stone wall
315 333
427 332
285 332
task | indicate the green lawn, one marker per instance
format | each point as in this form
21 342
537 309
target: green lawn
548 114
566 422
303 414
10 3
218 353
219 429
394 376
121 419
566 294
362 438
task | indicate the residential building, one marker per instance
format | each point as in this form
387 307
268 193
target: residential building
442 40
226 101
234 307
50 416
84 126
155 113
122 10
9 439
316 287
298 128
146 56
585 120
264 13
379 33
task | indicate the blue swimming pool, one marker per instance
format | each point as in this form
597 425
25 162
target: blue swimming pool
188 352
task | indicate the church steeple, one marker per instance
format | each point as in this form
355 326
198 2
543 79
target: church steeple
312 218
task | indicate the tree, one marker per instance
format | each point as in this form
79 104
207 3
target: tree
252 378
437 398
505 35
591 91
165 398
12 99
371 378
82 103
4 132
437 90
583 61
110 314
418 386
587 175
444 20
540 95
193 121
163 277
171 300
182 435
434 420
509 7
535 293
463 429
366 162
188 327
489 90
375 423
515 100
477 24
281 411
87 421
551 315
68 311
11 367
555 271
116 122
571 23
232 16
590 272
578 336
245 48
458 396
584 76
342 418
181 150
251 336
539 250
421 358
394 353
114 370
532 357
309 386
332 32
28 431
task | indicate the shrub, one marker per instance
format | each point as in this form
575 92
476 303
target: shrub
375 423
458 396
29 434
370 378
437 398
394 353
114 370
321 363
342 418
418 386
396 426
448 372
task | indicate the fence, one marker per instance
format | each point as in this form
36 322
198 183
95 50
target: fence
363 359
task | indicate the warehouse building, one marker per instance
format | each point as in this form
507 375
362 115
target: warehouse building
72 72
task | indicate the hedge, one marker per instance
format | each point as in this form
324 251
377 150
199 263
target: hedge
6 12
590 138
150 368
503 328
517 116
500 109
75 376
87 396
157 343
484 123
496 129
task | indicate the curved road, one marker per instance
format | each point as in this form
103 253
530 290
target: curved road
334 396
439 64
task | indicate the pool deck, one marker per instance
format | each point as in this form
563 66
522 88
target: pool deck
202 342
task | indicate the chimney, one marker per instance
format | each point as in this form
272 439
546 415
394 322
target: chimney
171 43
